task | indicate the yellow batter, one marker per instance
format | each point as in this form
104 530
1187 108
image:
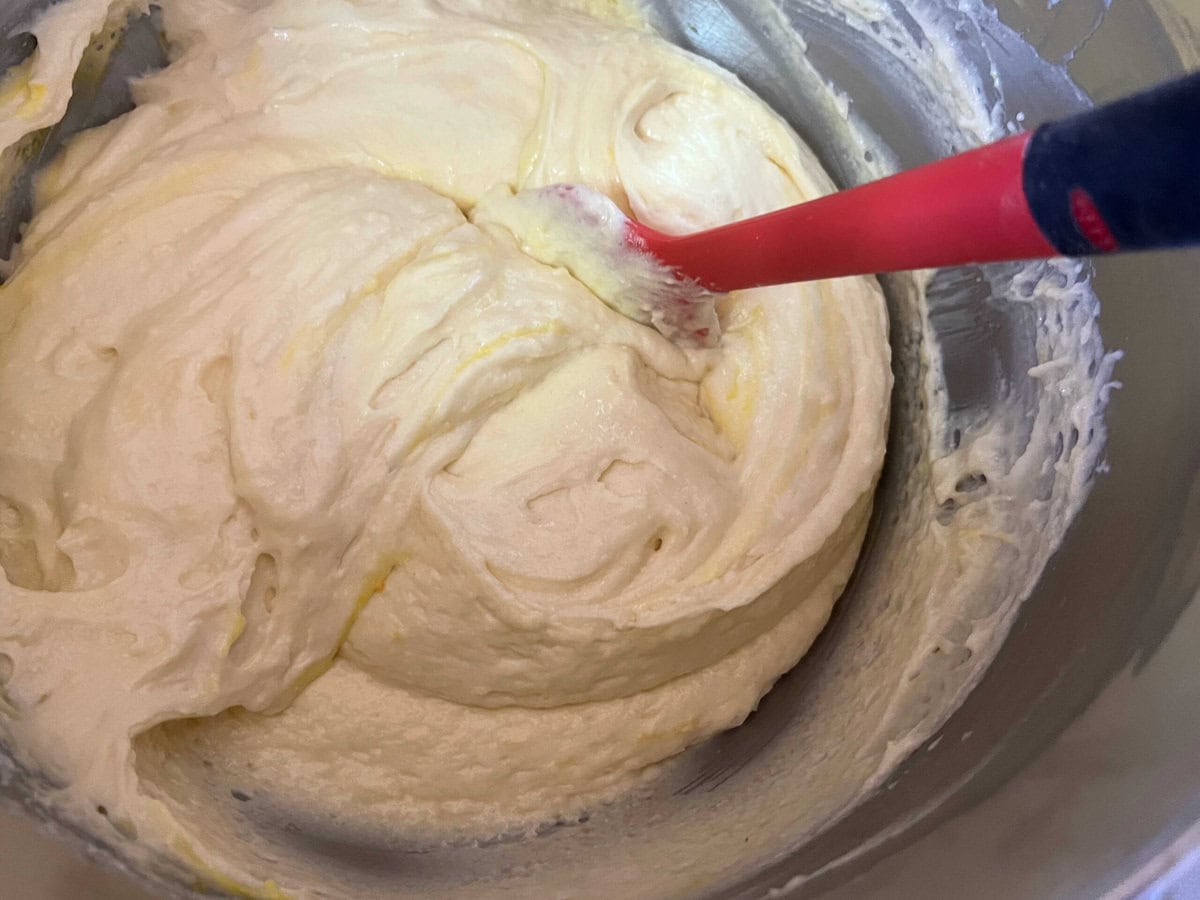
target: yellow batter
299 465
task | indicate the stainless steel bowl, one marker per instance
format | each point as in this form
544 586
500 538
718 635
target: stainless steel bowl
1072 768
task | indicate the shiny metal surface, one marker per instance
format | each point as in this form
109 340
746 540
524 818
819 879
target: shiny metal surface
1073 768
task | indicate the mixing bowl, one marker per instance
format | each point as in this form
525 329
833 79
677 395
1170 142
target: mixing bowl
1025 722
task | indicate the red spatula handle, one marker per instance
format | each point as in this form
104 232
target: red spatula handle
1124 176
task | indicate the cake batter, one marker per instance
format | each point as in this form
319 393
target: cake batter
301 466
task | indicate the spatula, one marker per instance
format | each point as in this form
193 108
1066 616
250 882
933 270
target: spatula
1121 177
